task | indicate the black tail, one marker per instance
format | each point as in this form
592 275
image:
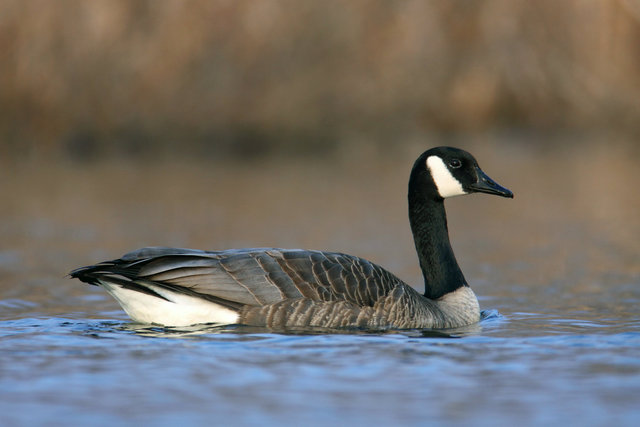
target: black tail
87 274
111 272
125 272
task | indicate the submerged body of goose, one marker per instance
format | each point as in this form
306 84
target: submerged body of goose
286 288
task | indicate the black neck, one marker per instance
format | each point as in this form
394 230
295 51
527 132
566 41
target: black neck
429 226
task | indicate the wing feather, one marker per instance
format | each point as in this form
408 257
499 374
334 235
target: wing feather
252 277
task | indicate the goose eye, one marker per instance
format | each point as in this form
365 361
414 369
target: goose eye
455 163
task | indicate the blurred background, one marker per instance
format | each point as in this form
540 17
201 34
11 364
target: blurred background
247 79
294 123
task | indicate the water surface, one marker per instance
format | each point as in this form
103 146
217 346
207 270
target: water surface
556 271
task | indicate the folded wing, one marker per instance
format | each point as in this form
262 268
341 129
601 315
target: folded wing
247 277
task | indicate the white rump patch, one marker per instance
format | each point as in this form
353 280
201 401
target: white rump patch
447 185
181 310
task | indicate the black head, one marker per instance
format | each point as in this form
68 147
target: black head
448 172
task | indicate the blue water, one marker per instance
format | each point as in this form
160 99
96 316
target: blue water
58 371
556 270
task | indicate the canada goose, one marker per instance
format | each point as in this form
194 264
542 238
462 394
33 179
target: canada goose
281 288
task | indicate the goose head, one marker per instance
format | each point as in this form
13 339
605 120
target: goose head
445 172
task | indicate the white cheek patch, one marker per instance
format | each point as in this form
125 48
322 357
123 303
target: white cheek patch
447 185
